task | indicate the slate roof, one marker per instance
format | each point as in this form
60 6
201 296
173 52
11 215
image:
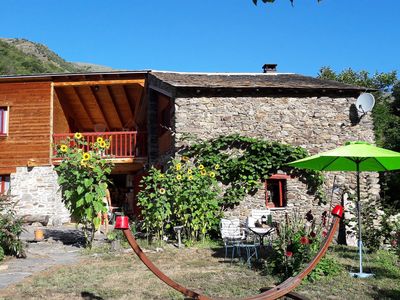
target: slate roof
249 80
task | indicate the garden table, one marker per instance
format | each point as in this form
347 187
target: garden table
262 232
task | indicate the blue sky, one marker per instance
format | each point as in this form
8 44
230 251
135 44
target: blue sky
213 35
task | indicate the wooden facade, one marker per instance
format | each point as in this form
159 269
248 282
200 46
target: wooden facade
28 138
41 109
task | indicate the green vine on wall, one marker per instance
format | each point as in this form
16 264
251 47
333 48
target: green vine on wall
245 162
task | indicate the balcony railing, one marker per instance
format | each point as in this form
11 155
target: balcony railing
123 144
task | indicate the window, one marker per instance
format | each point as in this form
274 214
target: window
275 191
4 183
3 120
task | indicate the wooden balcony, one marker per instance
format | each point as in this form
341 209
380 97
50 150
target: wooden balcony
124 145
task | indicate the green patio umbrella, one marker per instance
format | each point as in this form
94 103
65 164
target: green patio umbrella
354 156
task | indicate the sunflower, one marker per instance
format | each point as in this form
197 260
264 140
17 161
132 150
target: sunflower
179 177
190 171
102 144
203 172
190 177
83 163
216 167
64 148
178 166
162 191
78 135
99 140
201 167
86 156
185 158
212 174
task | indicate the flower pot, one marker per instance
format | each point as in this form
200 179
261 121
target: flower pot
39 236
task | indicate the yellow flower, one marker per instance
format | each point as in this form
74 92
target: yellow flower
102 144
212 174
178 167
216 167
78 135
86 156
201 167
83 163
185 158
99 140
203 172
162 191
190 171
64 148
190 177
179 177
161 176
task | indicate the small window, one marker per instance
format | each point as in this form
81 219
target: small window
4 183
275 191
3 120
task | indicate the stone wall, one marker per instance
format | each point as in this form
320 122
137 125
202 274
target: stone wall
38 196
314 123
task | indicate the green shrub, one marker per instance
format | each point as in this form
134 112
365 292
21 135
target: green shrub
83 179
1 253
10 228
298 240
186 194
327 267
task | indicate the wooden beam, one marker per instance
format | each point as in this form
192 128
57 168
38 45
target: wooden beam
139 104
109 95
93 94
127 99
51 122
67 109
100 82
75 92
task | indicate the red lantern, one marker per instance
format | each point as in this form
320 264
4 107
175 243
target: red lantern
121 222
337 211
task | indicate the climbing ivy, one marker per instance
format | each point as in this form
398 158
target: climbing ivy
245 162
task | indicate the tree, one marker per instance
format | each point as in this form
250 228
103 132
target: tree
386 117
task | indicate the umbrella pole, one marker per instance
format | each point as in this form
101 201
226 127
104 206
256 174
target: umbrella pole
361 274
359 218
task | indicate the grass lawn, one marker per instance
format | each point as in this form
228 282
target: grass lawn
123 276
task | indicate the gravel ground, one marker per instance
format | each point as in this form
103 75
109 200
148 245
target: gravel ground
61 246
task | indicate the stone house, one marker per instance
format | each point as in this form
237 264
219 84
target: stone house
149 112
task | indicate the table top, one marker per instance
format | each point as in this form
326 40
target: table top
261 230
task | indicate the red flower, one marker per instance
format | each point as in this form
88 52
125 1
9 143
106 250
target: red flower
313 234
394 243
304 240
289 253
324 233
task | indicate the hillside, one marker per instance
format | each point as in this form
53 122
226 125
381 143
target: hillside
20 56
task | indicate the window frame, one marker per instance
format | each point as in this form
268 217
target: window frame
281 180
4 187
4 117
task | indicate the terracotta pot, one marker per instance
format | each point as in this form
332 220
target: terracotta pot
39 235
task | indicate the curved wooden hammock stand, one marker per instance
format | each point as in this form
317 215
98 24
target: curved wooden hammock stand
279 291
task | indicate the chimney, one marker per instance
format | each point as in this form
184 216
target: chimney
269 68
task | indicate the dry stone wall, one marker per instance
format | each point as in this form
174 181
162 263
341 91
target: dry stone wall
314 123
38 195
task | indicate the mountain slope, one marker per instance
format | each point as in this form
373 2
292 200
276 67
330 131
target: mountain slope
20 56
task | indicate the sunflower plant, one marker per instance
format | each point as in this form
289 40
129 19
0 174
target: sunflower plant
82 175
185 194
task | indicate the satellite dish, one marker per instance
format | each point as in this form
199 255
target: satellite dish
365 102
